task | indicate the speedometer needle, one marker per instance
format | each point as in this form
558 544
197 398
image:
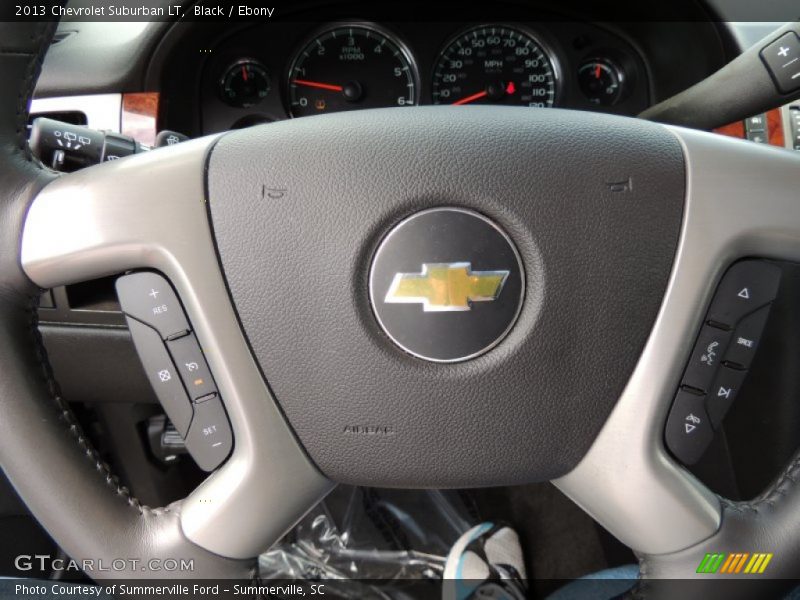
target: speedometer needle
316 84
495 91
472 98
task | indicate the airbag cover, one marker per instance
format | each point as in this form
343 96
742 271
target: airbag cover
593 204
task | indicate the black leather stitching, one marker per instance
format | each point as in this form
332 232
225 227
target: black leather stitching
68 417
23 295
26 89
38 38
775 493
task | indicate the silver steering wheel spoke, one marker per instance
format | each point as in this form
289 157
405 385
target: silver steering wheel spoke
150 212
742 200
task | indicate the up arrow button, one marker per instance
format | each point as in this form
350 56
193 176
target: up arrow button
747 286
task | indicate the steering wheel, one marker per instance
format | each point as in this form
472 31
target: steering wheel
577 253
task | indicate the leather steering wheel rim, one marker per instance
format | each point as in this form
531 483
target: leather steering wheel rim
44 453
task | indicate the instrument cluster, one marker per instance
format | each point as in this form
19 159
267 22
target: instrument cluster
291 70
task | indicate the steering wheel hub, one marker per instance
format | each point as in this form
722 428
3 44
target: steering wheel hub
391 232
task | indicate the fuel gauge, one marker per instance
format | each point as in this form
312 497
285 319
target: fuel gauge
601 81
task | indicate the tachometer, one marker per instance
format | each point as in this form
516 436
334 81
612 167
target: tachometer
351 67
495 64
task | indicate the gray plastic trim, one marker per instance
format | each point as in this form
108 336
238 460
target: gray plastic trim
149 211
786 122
742 200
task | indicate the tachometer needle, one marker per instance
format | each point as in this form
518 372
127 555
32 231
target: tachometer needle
316 84
472 98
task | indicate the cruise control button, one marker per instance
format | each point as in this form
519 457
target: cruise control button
688 431
210 439
745 338
162 374
746 286
723 393
192 366
706 357
149 298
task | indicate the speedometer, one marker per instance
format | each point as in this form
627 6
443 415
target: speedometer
351 67
495 64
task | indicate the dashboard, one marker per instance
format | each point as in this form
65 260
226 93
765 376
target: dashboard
283 70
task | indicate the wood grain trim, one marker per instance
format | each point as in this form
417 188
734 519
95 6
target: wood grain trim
774 128
140 116
733 130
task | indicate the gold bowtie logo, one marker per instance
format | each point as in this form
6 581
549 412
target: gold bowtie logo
442 287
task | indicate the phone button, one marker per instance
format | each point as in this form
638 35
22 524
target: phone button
706 358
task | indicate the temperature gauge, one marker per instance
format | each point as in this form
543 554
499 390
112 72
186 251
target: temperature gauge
601 81
245 83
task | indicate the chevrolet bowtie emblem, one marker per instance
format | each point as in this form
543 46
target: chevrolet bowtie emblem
442 287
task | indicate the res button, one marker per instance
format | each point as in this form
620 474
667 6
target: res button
149 298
